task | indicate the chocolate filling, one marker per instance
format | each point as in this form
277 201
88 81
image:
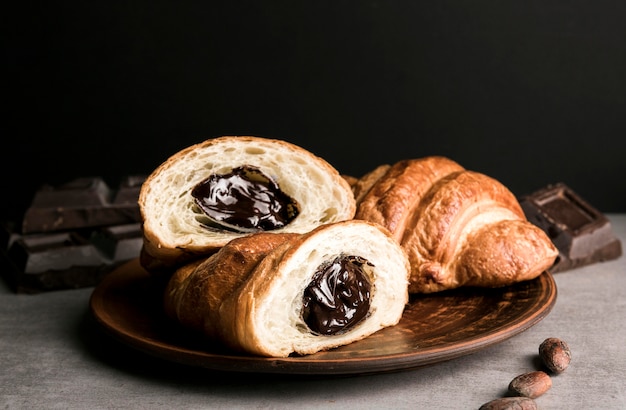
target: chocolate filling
244 200
338 296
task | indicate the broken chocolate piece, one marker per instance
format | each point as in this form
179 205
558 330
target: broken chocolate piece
128 191
72 235
66 260
119 243
83 203
581 233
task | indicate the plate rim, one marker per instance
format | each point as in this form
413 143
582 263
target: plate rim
309 364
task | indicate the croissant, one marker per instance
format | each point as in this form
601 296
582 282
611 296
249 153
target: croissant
281 294
458 227
223 188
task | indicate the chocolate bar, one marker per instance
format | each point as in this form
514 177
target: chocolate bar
83 203
65 260
581 233
72 235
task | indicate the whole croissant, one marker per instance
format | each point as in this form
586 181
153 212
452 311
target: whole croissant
458 227
277 294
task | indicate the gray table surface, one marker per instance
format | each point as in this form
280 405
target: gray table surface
54 356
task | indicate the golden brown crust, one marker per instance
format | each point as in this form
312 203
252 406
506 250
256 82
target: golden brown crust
249 295
235 319
351 180
458 227
361 186
196 303
436 225
482 264
397 190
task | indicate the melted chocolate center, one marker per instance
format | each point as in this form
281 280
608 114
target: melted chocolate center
244 200
338 296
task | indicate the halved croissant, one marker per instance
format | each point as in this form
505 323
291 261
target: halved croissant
458 227
279 294
228 187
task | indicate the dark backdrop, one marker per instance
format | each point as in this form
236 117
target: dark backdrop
529 92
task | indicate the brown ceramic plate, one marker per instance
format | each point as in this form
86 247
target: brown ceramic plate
434 328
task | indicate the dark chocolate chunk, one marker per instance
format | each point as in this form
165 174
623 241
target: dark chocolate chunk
64 260
119 243
83 203
128 191
581 233
72 235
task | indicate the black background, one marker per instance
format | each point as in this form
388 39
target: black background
529 92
